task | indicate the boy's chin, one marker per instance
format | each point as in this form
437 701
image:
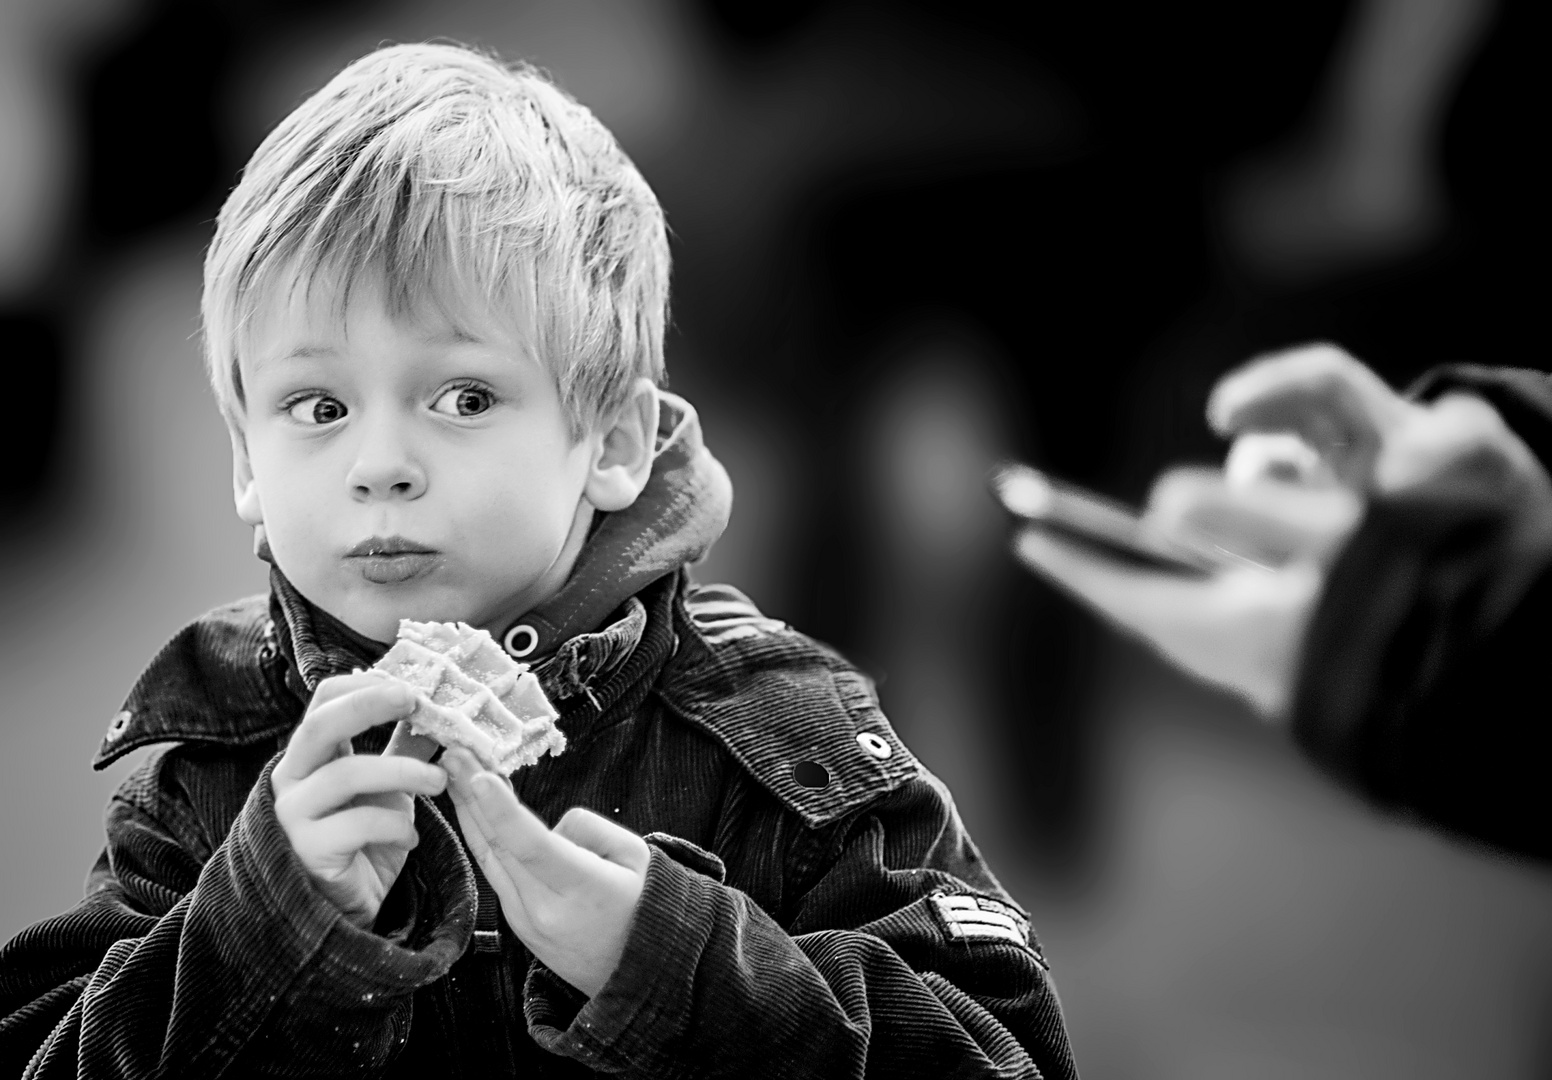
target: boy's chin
378 618
375 612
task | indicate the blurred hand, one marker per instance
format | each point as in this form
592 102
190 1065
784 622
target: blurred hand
569 893
1363 434
1239 628
1316 433
351 817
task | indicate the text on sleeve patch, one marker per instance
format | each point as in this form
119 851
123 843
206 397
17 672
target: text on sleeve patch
971 918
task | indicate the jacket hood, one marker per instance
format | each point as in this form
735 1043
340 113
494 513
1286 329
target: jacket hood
680 513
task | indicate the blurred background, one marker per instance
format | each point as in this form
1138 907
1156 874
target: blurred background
910 238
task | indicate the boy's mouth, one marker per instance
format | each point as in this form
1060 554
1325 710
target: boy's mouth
392 560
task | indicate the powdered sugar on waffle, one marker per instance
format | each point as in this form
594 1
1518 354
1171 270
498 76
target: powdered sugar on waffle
470 693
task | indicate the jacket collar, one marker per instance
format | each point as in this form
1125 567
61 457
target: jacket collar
317 646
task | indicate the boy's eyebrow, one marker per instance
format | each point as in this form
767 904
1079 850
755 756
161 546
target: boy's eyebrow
455 335
446 337
307 352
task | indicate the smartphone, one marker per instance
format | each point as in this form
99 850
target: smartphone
1110 528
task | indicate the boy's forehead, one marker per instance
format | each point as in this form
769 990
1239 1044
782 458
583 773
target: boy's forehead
312 317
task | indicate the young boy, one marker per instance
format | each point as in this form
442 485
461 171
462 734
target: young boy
434 312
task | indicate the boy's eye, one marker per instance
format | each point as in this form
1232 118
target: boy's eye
464 401
317 409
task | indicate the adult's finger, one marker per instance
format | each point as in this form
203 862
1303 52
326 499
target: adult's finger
366 703
1238 629
604 838
1332 401
1259 456
344 779
1268 523
1135 599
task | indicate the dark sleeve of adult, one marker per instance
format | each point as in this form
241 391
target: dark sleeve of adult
1423 680
183 960
905 959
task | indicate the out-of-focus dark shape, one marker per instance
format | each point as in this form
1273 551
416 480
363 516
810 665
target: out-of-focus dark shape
150 109
40 156
760 22
30 343
41 44
1438 275
1362 182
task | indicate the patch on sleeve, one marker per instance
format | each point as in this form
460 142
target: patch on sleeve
980 918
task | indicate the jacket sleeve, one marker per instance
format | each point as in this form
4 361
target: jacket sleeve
905 959
1420 682
179 965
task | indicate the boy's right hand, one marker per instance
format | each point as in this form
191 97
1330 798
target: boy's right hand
351 817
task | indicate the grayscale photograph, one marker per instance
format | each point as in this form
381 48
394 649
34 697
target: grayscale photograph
800 540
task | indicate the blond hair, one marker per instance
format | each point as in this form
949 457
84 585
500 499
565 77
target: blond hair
457 180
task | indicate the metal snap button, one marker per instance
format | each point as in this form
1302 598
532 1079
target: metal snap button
873 744
119 724
521 640
811 774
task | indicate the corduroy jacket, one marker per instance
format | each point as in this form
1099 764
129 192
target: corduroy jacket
813 906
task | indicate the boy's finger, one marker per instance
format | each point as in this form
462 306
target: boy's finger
512 830
503 876
337 686
460 768
460 764
404 742
338 782
317 739
604 838
347 832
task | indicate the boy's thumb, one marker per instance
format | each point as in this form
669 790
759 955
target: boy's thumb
604 838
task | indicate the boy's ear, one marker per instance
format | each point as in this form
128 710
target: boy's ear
626 446
245 490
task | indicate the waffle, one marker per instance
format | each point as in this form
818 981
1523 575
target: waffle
469 693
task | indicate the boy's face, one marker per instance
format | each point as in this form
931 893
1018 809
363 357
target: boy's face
406 468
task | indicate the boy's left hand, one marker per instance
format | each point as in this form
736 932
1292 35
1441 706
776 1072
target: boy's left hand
568 893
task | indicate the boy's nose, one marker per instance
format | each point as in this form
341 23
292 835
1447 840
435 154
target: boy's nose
384 471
